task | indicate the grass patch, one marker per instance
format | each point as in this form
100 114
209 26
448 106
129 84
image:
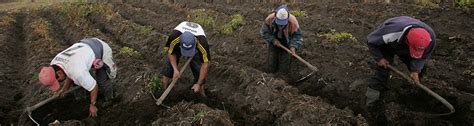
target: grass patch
464 3
155 84
130 52
80 2
338 37
144 30
199 116
298 13
40 27
201 17
235 23
35 76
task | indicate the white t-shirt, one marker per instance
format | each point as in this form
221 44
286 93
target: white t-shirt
76 61
192 27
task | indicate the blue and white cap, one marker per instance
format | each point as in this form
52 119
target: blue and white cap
187 44
281 14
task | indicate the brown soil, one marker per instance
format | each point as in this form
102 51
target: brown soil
239 90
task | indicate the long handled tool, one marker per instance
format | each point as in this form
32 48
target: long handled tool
313 68
167 91
30 109
299 58
427 90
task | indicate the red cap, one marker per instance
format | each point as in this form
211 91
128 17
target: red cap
47 77
418 40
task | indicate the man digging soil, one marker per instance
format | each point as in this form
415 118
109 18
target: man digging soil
281 28
410 39
73 65
188 40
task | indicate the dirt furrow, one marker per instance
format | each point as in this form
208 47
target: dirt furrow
161 22
258 98
130 34
11 71
42 48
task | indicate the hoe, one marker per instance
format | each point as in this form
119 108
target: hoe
167 91
427 90
313 68
30 109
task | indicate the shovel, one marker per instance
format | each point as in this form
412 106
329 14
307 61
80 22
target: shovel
167 91
427 90
313 68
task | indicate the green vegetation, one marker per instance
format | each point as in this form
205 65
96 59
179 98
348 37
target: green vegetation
130 52
81 2
201 17
155 84
338 37
35 76
298 13
144 30
464 3
236 22
199 116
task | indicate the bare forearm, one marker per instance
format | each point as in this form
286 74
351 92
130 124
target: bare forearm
173 61
203 72
67 84
94 93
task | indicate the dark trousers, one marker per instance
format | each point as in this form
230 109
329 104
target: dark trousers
278 59
195 64
379 80
104 84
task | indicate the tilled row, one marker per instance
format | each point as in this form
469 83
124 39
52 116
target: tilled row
10 67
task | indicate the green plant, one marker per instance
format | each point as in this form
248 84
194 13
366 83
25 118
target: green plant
199 116
35 76
338 37
155 84
130 52
201 17
236 22
464 3
298 13
66 7
145 30
80 2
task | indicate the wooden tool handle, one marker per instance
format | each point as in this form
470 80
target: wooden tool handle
299 58
36 106
167 91
427 90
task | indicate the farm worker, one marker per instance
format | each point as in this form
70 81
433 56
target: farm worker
410 39
187 40
282 28
72 66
